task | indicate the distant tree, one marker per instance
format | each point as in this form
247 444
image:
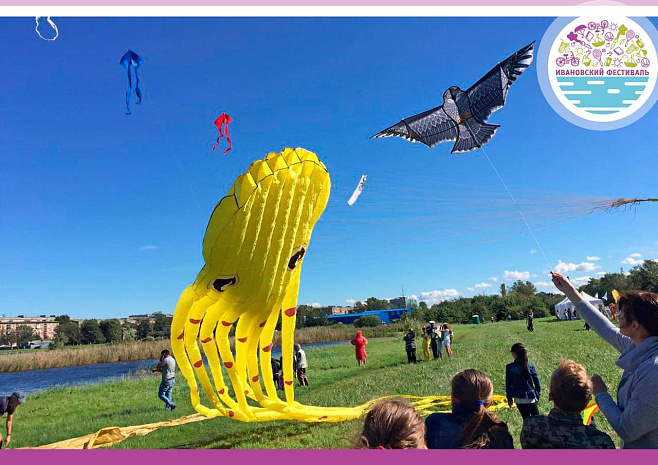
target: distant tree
91 333
422 305
526 289
161 322
67 333
308 316
144 328
63 319
370 321
24 334
128 334
503 290
111 330
373 303
645 277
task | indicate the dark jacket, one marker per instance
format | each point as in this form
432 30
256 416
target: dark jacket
520 384
410 340
562 430
442 431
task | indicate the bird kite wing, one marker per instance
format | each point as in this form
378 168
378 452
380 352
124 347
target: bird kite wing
490 92
430 128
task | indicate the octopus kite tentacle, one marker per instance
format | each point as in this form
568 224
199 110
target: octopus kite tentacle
254 247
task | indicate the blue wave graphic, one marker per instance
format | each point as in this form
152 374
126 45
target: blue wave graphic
605 94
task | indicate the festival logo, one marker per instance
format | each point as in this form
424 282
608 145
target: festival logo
599 73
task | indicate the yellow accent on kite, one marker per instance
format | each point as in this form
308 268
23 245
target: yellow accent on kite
253 249
615 295
589 411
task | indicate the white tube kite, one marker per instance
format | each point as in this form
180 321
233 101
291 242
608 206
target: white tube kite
357 191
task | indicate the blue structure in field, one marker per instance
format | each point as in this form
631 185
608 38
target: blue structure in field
385 315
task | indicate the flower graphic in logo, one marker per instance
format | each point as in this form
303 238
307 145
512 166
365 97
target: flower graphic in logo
599 73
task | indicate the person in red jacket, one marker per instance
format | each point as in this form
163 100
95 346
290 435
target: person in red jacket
359 343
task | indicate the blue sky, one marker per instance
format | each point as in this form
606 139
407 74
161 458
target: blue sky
103 214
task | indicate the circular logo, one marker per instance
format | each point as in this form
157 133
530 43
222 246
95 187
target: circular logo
599 73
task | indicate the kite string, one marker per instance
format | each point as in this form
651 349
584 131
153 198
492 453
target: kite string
517 206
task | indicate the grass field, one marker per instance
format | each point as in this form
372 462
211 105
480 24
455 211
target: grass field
335 380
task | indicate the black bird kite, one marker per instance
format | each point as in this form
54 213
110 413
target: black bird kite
463 115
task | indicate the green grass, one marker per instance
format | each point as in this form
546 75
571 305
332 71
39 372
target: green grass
335 380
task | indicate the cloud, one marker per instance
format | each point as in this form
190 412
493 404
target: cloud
580 281
315 305
593 258
543 284
434 297
515 275
533 251
350 301
600 274
633 259
149 247
482 285
494 279
470 288
584 267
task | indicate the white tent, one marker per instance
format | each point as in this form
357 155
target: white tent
566 305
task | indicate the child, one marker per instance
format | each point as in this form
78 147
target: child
563 428
470 425
392 424
522 382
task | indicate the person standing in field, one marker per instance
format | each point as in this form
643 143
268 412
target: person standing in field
634 416
359 343
447 338
435 340
530 321
8 405
300 357
410 345
522 384
426 343
167 366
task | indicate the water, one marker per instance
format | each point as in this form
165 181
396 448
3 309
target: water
602 94
41 380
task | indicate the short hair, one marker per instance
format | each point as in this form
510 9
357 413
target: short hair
164 352
392 424
297 346
571 388
641 307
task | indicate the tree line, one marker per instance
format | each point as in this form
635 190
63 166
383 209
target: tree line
69 332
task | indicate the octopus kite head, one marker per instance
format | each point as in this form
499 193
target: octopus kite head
259 232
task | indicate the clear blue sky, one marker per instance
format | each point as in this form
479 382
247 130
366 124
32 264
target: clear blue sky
103 214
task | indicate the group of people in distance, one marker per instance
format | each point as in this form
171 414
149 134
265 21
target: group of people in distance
393 423
435 338
299 367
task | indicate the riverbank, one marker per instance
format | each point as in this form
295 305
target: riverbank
144 350
335 380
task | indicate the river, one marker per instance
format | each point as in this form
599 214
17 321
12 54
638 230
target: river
41 380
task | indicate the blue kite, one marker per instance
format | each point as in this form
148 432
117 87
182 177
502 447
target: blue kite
132 59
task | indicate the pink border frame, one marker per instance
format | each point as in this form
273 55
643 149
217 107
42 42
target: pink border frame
317 457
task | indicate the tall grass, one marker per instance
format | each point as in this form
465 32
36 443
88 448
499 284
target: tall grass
89 355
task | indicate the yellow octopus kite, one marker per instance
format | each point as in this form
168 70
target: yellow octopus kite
253 249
